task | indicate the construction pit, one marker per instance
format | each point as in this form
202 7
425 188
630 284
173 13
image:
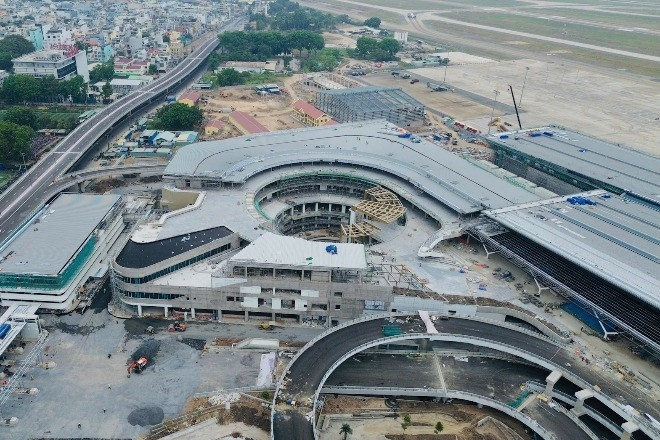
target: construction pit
273 111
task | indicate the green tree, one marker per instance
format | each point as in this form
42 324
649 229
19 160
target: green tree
102 72
21 116
438 428
14 141
50 89
5 61
81 45
76 88
407 421
229 77
214 60
345 430
178 116
390 45
20 88
106 90
153 69
13 46
373 22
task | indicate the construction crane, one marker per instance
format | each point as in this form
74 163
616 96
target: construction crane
137 366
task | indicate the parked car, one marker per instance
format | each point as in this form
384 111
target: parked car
414 81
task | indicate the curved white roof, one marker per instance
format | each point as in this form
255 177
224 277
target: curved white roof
454 181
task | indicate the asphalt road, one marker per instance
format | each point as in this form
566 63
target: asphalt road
305 375
27 194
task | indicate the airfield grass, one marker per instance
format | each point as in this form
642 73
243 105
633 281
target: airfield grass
365 11
614 19
604 59
630 41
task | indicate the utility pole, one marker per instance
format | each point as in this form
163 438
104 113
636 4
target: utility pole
523 87
492 113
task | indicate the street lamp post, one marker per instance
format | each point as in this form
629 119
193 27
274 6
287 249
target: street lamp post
492 113
445 78
523 86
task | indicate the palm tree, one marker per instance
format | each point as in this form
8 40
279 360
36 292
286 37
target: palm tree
346 430
407 421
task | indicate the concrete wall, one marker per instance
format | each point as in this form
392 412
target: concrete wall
351 302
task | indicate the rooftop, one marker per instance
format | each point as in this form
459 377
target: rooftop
615 238
308 109
138 255
455 182
628 170
43 56
54 238
246 121
273 249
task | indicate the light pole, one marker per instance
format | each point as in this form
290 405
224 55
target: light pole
492 113
445 78
24 164
523 86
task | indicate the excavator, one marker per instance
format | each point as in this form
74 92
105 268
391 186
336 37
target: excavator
137 366
177 327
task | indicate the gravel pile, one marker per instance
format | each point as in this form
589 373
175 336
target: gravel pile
197 344
151 415
148 349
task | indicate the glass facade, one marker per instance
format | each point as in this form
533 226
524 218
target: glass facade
44 282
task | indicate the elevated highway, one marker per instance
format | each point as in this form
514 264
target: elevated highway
309 370
29 192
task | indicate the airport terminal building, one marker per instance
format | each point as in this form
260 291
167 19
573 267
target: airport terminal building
51 257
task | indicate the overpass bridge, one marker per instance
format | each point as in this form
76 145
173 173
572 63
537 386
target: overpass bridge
309 370
27 194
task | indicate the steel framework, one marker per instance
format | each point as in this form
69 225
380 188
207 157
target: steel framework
637 319
365 103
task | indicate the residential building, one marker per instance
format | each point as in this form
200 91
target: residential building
309 115
59 63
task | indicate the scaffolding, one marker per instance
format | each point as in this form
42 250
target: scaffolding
358 230
381 205
366 103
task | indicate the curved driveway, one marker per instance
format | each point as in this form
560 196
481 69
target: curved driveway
305 375
27 194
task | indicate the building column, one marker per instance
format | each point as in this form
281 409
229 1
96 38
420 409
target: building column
581 396
166 309
303 208
245 272
219 314
140 310
329 207
551 381
192 313
628 429
302 275
247 315
316 207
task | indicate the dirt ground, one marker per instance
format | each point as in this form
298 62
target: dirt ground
273 111
460 420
